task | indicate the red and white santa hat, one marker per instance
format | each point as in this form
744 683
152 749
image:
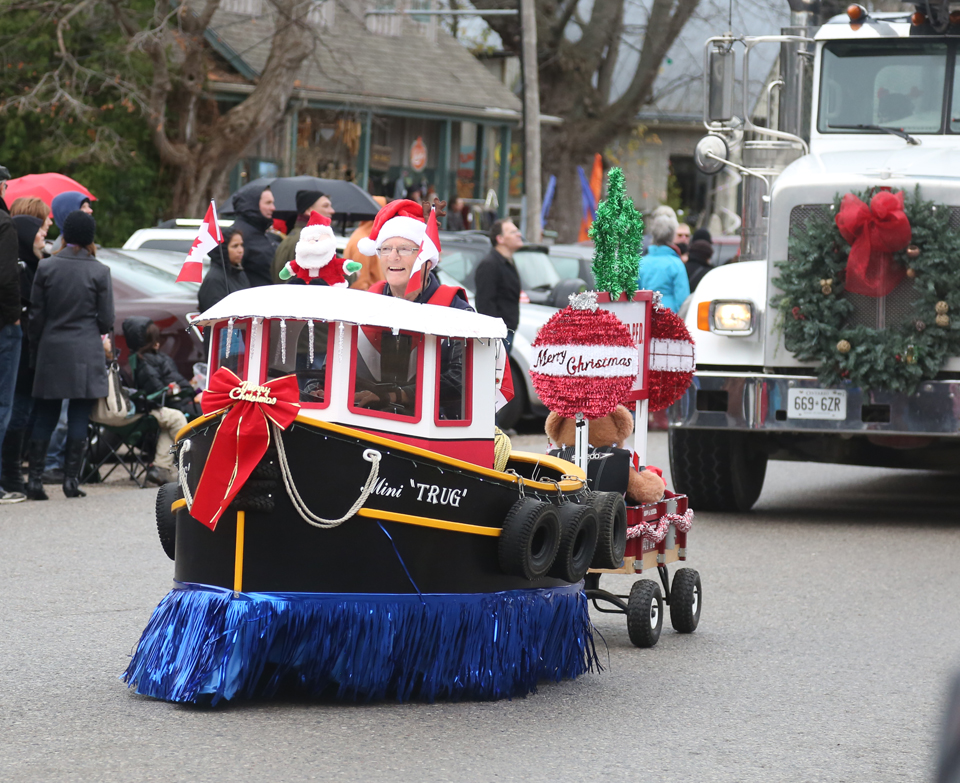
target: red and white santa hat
317 226
401 218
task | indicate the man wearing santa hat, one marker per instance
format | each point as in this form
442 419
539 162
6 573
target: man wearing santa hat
397 237
408 249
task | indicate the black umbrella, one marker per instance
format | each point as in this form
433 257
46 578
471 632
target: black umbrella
349 200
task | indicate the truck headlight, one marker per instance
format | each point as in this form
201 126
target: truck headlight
733 318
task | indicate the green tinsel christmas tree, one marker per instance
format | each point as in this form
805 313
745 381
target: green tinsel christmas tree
617 233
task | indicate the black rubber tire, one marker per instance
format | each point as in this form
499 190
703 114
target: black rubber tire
166 519
645 613
578 541
510 414
717 470
530 539
686 600
256 495
611 529
268 467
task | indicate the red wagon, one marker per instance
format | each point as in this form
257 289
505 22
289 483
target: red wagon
656 536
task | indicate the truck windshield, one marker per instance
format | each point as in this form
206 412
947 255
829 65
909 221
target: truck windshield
887 83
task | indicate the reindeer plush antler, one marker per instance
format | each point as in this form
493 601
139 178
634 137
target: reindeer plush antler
441 207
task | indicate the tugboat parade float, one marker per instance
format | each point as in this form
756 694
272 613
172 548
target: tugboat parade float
349 523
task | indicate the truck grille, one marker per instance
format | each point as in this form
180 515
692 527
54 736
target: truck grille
891 310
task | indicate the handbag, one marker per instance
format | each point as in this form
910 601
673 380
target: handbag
115 409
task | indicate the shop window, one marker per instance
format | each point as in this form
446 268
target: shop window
231 346
290 354
386 373
454 381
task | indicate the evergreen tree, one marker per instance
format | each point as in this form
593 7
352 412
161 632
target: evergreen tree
617 233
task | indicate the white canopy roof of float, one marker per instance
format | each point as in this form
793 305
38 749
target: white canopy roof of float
323 303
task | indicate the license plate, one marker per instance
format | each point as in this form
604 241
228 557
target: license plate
817 404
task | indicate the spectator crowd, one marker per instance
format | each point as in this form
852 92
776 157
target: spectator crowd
56 314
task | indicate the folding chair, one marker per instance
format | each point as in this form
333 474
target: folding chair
130 447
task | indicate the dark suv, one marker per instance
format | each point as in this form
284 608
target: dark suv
461 251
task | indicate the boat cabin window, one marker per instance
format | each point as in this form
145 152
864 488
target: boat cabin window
386 373
290 353
454 381
230 346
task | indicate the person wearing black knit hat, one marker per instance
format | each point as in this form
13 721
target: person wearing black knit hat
701 233
307 201
71 307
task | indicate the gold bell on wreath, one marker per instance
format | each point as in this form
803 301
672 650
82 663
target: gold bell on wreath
943 321
843 346
911 357
826 286
942 308
913 252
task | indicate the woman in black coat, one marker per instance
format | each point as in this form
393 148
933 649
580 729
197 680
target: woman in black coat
30 235
71 306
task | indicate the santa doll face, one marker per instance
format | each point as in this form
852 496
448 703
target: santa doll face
315 248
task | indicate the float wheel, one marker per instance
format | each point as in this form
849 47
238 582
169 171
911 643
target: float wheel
166 519
530 538
685 601
611 529
645 613
578 541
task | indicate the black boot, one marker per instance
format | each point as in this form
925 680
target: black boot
11 475
71 468
37 457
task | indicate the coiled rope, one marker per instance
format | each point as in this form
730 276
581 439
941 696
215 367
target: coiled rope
371 455
182 475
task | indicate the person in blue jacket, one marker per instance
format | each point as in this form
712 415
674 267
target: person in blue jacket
661 268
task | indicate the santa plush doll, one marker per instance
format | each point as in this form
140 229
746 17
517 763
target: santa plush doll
316 256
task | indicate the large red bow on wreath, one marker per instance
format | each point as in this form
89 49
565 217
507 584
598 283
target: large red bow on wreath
874 234
242 438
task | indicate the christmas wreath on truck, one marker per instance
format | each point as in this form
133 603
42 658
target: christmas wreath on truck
876 243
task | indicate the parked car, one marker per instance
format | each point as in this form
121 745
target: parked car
180 237
574 261
726 250
525 402
461 251
144 284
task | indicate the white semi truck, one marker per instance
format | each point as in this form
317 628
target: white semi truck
866 101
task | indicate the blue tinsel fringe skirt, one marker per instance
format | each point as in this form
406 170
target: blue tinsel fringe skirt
204 644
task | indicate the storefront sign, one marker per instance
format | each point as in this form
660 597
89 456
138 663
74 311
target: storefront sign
418 155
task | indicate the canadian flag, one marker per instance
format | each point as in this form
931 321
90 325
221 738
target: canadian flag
207 239
429 254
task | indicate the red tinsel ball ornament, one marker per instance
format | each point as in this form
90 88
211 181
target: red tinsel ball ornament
585 361
668 385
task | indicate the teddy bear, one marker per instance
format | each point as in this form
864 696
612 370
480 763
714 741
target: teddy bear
316 256
644 484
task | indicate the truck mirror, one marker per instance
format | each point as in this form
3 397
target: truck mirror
720 99
710 154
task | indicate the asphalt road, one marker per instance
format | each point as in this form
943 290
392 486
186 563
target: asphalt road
829 634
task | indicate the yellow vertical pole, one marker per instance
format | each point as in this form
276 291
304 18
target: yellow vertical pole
238 564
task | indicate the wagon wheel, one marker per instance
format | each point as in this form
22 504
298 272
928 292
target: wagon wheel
645 613
685 601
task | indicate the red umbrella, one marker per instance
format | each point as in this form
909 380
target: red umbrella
45 186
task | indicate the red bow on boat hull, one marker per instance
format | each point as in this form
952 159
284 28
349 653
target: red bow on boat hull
242 438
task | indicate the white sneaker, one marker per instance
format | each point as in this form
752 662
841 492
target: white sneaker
12 497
